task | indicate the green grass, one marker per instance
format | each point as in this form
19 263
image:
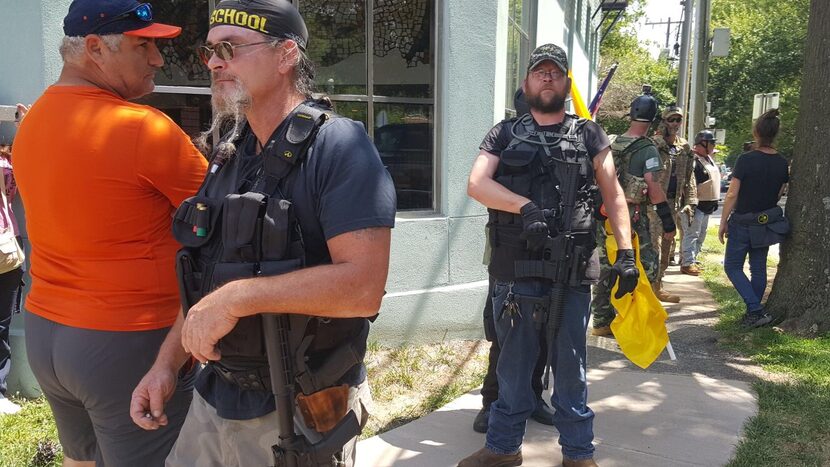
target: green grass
30 437
411 381
407 382
792 427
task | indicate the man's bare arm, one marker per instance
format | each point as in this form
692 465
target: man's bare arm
613 198
482 188
352 286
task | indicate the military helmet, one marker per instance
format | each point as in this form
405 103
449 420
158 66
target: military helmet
704 135
644 107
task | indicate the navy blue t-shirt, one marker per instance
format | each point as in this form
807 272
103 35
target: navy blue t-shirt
341 187
762 175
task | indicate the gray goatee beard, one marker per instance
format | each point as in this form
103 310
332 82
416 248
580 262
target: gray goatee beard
228 114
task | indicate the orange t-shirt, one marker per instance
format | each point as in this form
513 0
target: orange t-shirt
100 178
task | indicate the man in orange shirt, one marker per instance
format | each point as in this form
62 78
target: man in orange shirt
100 178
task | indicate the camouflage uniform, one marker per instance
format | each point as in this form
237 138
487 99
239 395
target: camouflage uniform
686 189
633 188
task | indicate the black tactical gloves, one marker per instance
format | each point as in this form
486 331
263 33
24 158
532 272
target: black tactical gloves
664 213
626 269
534 227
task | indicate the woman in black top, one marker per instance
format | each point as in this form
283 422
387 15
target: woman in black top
758 181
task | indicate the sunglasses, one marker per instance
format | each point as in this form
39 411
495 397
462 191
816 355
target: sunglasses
142 12
674 119
224 50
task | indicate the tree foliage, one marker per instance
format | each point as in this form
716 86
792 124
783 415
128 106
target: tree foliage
767 55
636 67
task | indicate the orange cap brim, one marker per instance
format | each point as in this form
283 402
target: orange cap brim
157 31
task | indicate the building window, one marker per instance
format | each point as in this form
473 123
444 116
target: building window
182 86
379 72
376 61
520 40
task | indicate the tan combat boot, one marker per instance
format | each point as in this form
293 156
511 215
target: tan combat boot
662 295
487 458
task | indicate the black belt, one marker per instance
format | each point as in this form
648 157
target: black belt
764 217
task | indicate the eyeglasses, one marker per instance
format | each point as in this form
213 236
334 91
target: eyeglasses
674 119
224 49
542 74
142 12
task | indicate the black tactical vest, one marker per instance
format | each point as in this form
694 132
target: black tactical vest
236 228
531 166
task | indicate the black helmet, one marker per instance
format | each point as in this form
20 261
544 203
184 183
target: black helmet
704 135
644 108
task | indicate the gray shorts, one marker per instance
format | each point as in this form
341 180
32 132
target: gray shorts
88 377
208 440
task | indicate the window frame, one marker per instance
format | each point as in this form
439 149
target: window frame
370 98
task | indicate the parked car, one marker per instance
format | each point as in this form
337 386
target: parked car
406 151
724 183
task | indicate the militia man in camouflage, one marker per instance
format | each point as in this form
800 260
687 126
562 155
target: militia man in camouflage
678 182
638 166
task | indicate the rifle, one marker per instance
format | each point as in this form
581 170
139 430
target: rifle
560 258
294 449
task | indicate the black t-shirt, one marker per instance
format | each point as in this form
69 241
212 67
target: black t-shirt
500 136
341 187
762 176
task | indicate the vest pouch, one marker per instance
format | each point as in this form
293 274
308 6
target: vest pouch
514 170
190 279
275 229
242 226
508 248
634 188
246 343
194 222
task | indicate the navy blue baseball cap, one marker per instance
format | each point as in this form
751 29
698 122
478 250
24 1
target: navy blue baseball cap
102 17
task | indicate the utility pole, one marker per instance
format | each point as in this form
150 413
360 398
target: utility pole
668 24
700 68
683 69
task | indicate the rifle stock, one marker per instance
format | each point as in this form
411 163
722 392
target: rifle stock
293 449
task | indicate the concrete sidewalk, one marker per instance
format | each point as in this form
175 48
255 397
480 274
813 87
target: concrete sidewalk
677 413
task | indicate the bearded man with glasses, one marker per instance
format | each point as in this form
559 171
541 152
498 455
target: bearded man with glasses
292 224
678 182
100 177
538 174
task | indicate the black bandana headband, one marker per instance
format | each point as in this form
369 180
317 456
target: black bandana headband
275 18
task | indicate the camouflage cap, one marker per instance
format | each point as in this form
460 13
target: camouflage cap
672 110
550 52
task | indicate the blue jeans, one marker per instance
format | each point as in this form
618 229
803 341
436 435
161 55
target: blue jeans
519 341
693 237
737 248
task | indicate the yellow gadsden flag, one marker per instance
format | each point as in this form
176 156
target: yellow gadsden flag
579 105
640 325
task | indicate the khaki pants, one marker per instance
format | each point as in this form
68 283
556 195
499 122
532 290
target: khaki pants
208 440
662 247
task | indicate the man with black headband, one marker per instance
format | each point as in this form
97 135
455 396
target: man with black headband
538 175
100 177
293 222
